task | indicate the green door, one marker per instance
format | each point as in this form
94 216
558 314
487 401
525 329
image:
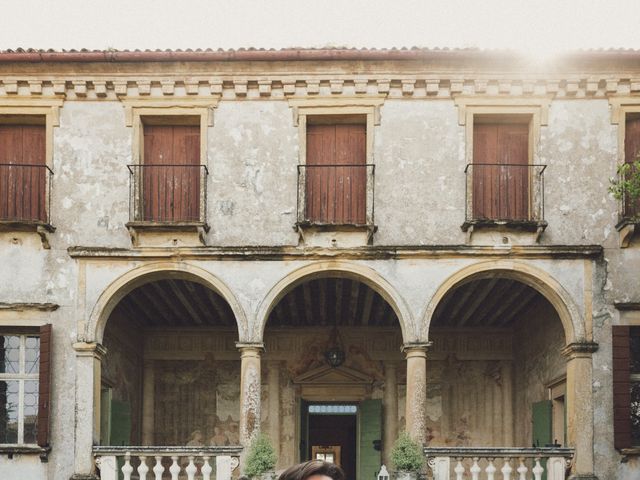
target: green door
120 423
542 427
369 456
304 430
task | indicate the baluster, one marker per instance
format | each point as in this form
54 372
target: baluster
522 470
475 469
206 469
143 469
127 469
490 470
191 469
459 469
158 469
537 469
174 469
506 469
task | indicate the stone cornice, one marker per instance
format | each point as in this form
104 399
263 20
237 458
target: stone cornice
579 349
358 253
284 85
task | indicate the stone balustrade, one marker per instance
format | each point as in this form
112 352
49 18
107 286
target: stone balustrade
499 463
158 463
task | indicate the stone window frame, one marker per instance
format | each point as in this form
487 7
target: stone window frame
49 109
536 108
620 108
135 112
334 107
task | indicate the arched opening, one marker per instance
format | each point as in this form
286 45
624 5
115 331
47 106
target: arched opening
497 377
171 372
334 370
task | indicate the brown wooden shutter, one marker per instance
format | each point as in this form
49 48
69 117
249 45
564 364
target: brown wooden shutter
631 152
171 173
336 194
44 387
22 177
621 386
500 172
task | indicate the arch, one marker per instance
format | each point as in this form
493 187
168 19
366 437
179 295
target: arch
361 273
536 278
124 284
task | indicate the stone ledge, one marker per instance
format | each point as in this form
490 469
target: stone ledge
43 229
627 228
10 451
167 234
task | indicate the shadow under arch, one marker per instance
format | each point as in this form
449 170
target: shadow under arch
127 282
536 278
337 269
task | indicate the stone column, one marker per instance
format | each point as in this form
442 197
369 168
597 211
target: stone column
87 407
580 406
148 402
390 410
250 390
416 410
274 405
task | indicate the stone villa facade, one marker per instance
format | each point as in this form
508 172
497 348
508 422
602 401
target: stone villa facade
327 246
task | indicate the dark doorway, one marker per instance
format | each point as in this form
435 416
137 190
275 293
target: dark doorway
334 430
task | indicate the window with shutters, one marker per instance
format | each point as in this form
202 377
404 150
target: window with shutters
336 169
626 386
504 183
631 207
24 387
26 156
168 174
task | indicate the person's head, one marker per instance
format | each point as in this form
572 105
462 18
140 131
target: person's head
313 470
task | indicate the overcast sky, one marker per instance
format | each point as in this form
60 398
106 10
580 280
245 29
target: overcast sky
539 26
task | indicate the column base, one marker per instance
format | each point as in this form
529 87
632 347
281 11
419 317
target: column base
84 476
583 476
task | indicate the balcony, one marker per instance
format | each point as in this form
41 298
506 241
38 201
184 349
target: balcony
504 196
629 213
505 463
336 198
167 198
25 194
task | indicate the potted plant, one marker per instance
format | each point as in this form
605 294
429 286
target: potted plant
407 457
261 459
626 187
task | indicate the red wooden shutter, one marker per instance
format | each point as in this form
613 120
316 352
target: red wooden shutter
44 387
171 173
621 386
631 152
336 194
23 176
500 183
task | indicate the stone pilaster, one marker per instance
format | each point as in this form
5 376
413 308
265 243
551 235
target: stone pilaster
390 410
87 412
416 409
580 407
250 390
148 403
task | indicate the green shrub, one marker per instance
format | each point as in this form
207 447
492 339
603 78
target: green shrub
627 185
407 454
261 457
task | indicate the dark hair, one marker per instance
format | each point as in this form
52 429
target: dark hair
302 471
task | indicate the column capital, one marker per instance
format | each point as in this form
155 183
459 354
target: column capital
579 350
90 349
417 349
250 349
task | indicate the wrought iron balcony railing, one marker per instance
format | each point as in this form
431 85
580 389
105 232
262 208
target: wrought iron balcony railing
504 193
336 194
25 193
168 194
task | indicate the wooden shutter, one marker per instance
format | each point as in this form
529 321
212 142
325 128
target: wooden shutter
500 172
631 152
44 386
621 386
370 436
22 175
336 174
171 173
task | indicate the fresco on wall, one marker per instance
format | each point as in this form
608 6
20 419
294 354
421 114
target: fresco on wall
197 402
